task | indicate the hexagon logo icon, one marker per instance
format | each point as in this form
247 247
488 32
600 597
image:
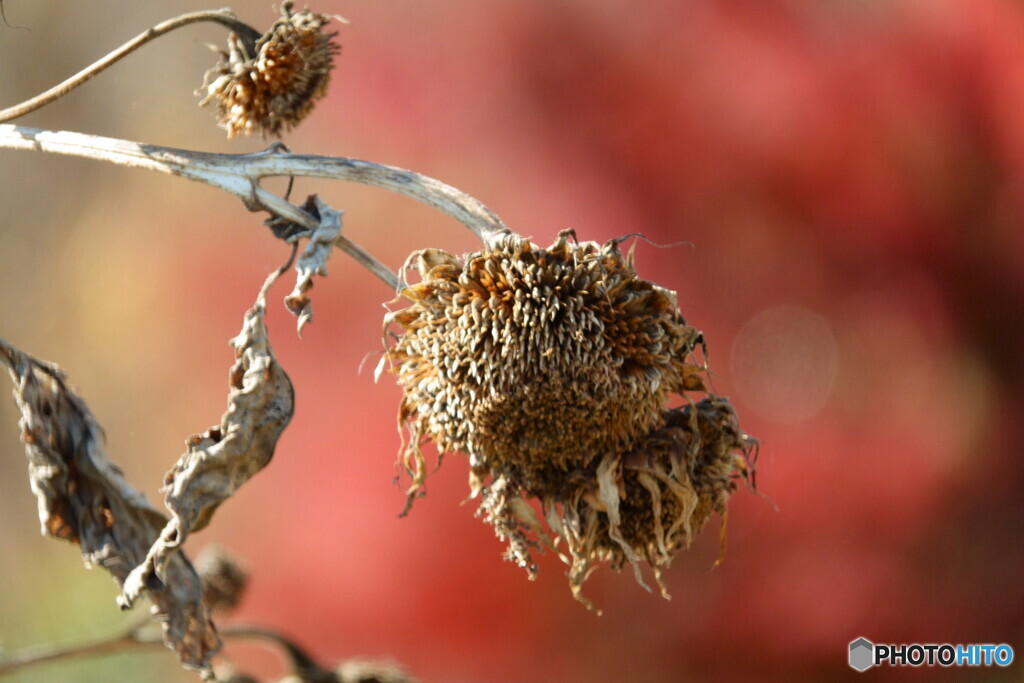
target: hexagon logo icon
862 654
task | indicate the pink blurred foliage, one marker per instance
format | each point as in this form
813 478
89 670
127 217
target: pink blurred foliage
864 161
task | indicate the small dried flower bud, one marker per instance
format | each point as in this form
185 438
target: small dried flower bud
272 84
224 579
551 369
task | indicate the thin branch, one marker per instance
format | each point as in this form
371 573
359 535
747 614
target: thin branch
223 17
136 637
302 662
122 641
239 174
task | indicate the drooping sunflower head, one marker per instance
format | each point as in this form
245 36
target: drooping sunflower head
551 368
271 84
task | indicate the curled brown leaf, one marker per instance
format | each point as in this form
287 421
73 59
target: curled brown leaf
218 462
84 498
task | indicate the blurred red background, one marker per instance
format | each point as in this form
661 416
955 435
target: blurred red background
851 176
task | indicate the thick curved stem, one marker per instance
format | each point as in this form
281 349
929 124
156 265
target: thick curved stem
240 174
223 17
464 208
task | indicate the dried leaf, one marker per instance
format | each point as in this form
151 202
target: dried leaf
84 498
216 464
313 260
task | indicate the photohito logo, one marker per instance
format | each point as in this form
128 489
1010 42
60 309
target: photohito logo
864 654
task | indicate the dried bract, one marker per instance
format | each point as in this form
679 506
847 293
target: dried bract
217 463
273 84
551 368
654 500
84 498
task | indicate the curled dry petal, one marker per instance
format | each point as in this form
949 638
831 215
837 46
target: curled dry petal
313 260
217 463
84 498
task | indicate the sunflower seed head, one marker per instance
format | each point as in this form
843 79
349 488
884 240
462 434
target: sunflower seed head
272 85
550 368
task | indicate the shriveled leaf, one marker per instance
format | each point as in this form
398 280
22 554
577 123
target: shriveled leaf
84 498
217 463
313 260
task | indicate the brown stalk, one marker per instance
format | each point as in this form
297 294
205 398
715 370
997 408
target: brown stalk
223 17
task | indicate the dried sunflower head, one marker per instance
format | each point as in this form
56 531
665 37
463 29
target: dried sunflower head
271 83
551 368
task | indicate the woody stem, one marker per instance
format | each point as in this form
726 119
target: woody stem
239 174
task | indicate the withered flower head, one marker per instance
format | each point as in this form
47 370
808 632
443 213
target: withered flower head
271 83
551 368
